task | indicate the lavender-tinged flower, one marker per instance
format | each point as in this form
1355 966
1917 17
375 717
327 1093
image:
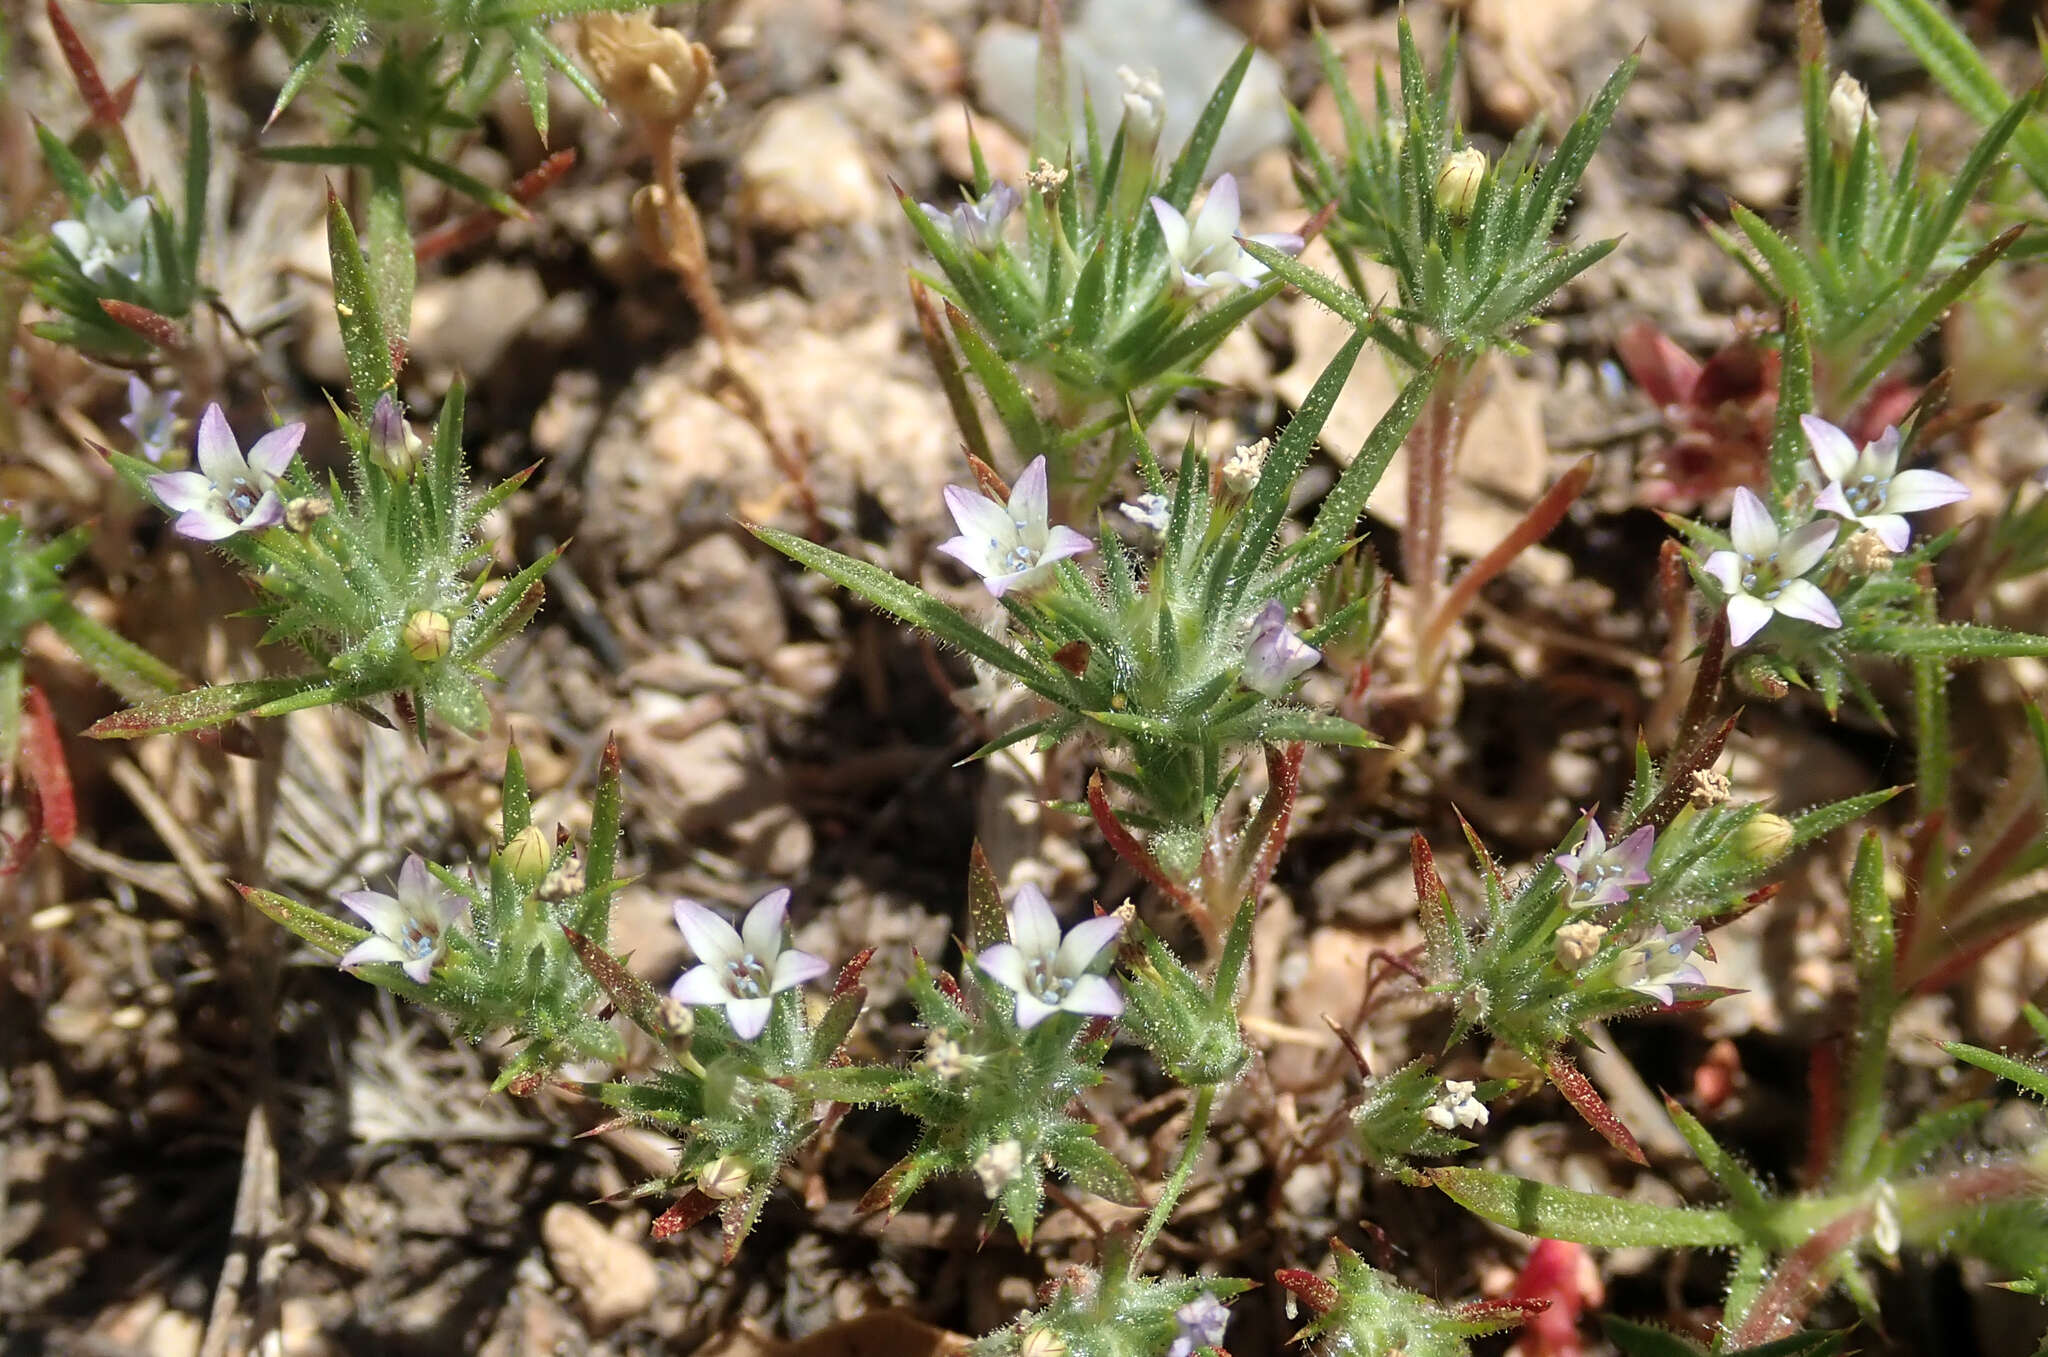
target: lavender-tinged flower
1049 973
1011 546
1761 576
229 493
109 240
1457 1105
1205 252
1150 512
151 419
1273 655
1203 1322
1602 875
411 929
978 226
742 971
1866 487
393 444
1658 963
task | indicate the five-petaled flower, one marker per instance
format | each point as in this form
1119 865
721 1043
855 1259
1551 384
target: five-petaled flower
410 929
1865 486
1049 973
1011 546
1660 961
1762 575
1202 1323
109 240
1600 874
229 493
742 970
1204 253
1273 655
978 225
1457 1105
152 418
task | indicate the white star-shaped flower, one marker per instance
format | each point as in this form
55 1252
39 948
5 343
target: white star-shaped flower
1865 486
108 240
229 493
1659 962
1047 972
1014 545
1456 1106
409 929
742 970
1205 252
1762 575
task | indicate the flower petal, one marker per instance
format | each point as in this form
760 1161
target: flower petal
1882 456
1216 223
1746 617
1093 994
761 930
1891 529
1912 492
1172 225
1725 569
268 513
1084 942
384 915
711 939
1032 1011
1033 926
1833 449
416 885
1030 504
1804 547
76 238
274 451
371 950
1804 600
1062 542
1831 500
1284 241
421 968
220 457
749 1017
972 552
179 491
1005 965
1750 526
795 968
701 985
982 521
203 525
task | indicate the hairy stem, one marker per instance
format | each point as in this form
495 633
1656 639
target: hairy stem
1177 1181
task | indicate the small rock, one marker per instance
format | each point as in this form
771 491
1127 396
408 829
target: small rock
1695 29
613 1277
729 593
1187 47
462 325
805 168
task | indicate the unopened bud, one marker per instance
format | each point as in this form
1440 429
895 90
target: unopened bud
1754 677
427 635
393 444
1707 788
301 514
1764 838
1848 111
1459 181
527 855
1042 1343
1577 943
1144 105
723 1178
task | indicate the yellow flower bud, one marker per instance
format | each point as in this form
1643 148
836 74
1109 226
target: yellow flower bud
1459 181
528 854
427 635
723 1178
1042 1343
1764 839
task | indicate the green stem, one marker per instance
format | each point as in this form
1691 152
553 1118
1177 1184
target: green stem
1177 1181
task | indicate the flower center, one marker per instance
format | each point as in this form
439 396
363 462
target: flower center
1044 984
1866 494
1761 579
747 978
240 498
420 939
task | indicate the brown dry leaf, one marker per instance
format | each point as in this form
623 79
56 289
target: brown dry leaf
886 1333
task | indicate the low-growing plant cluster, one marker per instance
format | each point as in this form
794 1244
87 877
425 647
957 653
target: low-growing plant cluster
1148 622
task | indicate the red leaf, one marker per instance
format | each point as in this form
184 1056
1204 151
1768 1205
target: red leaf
85 72
849 975
1578 1090
42 758
1666 373
1317 1293
472 227
159 330
689 1208
1140 858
